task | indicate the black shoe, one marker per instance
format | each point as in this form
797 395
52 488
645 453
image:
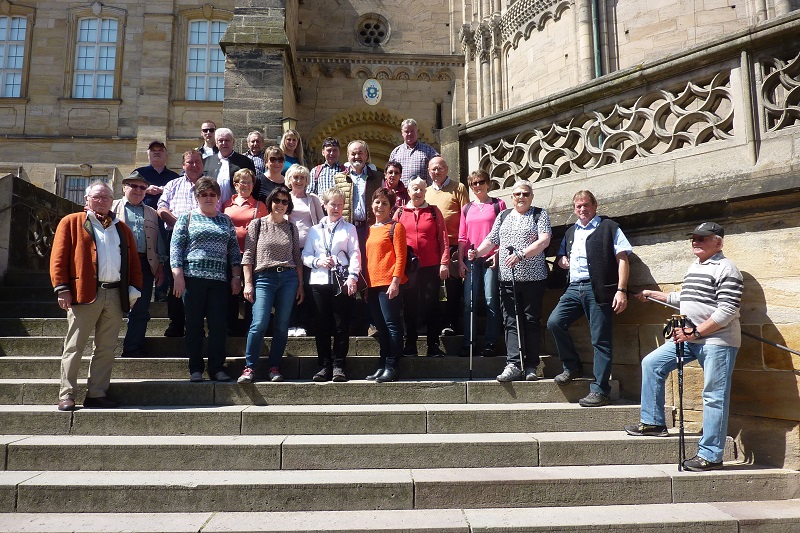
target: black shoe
323 375
646 430
99 403
448 332
489 351
410 349
375 375
388 375
134 353
434 351
338 375
594 399
698 464
567 375
173 331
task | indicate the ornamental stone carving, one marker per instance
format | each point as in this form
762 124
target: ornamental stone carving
780 92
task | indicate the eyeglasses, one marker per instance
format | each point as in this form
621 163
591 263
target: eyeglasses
699 238
209 130
207 195
478 183
140 187
276 160
520 194
101 198
282 201
244 183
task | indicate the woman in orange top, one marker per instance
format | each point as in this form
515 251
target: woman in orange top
385 272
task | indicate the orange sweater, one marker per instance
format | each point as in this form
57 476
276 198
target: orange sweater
385 259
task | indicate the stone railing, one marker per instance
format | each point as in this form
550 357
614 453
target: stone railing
28 220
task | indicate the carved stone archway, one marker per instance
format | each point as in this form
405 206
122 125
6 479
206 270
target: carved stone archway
378 126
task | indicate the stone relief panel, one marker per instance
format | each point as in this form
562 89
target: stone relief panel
780 91
655 123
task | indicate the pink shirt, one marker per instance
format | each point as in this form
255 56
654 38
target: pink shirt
478 223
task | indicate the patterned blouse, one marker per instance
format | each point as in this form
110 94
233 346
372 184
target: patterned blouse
271 245
204 246
520 230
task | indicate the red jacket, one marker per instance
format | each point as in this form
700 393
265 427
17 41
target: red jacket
426 233
73 260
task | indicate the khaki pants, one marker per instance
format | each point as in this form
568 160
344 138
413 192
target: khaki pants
104 318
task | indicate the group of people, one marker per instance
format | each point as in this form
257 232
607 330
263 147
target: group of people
263 227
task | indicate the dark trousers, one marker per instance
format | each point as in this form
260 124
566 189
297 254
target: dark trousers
387 317
333 319
529 303
421 301
205 298
175 311
235 325
454 287
303 314
140 314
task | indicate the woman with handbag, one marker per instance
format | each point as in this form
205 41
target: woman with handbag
243 208
427 235
332 253
386 255
273 277
202 249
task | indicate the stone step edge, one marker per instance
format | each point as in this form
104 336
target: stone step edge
737 516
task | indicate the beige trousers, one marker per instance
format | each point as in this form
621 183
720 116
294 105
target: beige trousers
104 318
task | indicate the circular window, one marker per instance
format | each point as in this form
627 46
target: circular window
372 30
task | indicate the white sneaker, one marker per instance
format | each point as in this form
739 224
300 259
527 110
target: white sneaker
299 332
510 373
196 377
293 332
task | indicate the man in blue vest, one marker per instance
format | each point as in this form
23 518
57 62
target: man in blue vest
595 252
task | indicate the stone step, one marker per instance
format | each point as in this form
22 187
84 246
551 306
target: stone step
293 367
40 293
722 517
17 278
57 327
340 452
379 489
314 419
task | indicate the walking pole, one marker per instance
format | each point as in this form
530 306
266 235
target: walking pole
679 321
471 312
516 315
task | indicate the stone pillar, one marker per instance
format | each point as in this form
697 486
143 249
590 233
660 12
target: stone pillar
585 48
260 79
454 152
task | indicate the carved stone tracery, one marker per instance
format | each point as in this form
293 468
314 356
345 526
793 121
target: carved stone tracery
780 92
655 123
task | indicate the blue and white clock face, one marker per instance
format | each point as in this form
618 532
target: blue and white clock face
372 92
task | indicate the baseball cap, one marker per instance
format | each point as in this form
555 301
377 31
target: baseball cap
135 176
156 143
708 228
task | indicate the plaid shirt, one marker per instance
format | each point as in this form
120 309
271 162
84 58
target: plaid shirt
414 160
325 180
178 197
258 161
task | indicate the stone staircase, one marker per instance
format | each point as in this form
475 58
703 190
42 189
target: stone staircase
433 452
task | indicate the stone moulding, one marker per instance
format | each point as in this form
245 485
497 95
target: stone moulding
654 123
780 91
526 15
387 67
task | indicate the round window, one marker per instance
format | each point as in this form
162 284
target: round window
372 30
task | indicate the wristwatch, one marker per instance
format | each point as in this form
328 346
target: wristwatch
696 334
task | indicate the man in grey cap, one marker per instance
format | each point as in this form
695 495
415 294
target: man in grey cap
710 299
144 223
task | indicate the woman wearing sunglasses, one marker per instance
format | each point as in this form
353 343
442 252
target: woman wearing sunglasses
273 177
477 219
203 246
522 235
273 277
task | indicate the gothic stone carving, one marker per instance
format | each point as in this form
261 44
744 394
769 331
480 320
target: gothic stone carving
780 92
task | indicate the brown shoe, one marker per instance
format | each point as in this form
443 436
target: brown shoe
67 404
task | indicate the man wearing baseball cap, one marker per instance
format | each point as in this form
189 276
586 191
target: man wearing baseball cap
151 247
710 298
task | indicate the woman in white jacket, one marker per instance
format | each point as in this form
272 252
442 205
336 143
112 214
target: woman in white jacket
330 244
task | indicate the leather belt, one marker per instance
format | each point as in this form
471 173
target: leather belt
278 269
108 284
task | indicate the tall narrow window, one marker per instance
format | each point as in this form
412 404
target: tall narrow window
12 55
205 65
95 58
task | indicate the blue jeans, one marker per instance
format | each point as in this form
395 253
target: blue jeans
717 363
577 301
276 289
387 316
486 286
140 314
205 298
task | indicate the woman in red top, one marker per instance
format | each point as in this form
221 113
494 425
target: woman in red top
242 208
427 235
385 272
392 173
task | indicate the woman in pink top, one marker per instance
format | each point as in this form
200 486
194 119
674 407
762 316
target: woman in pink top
242 208
477 219
427 235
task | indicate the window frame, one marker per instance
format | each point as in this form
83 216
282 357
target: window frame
29 14
181 52
90 173
101 12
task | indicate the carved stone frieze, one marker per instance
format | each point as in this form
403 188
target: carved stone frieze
396 68
654 123
780 92
525 15
467 37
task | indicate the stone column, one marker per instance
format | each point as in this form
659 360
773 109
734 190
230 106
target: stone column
585 51
260 78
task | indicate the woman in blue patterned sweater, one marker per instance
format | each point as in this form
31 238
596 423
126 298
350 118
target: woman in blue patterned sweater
203 245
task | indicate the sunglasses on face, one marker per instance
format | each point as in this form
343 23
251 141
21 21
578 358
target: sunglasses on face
282 201
209 130
478 183
244 183
276 160
207 195
139 187
520 194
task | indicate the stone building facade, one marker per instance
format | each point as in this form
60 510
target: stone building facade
670 111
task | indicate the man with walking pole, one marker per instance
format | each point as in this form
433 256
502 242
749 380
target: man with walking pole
710 298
